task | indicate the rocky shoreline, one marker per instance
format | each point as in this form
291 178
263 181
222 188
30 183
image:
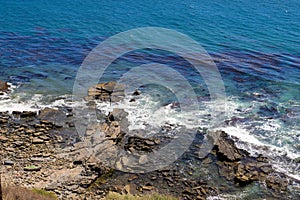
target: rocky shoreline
42 150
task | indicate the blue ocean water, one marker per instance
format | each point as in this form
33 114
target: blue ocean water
255 45
250 34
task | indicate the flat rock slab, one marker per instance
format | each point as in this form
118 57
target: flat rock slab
108 91
32 168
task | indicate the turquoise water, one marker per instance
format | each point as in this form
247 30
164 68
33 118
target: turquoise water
43 33
270 26
255 45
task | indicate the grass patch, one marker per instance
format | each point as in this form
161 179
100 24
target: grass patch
31 167
44 193
102 179
116 196
19 193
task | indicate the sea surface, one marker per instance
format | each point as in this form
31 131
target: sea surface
254 44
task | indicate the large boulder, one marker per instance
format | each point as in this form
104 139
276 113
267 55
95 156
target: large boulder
226 149
237 165
108 91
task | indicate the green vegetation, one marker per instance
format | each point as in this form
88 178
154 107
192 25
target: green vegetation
44 193
31 167
102 179
19 193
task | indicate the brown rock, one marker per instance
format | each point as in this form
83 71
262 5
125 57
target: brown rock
226 149
44 138
26 114
37 141
3 86
109 91
32 168
110 87
132 178
277 182
148 188
3 121
188 191
114 130
3 139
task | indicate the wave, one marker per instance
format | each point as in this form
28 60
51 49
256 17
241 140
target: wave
281 158
148 113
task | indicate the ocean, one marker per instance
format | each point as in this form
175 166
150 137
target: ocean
254 44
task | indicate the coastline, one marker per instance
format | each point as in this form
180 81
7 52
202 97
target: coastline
42 150
178 128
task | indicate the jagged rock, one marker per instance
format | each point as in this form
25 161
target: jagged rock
114 130
3 86
119 115
109 91
238 166
246 173
187 191
111 87
73 173
137 92
26 114
226 149
52 117
277 182
16 112
140 144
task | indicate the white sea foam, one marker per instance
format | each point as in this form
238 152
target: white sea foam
11 101
281 157
10 104
225 197
147 112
